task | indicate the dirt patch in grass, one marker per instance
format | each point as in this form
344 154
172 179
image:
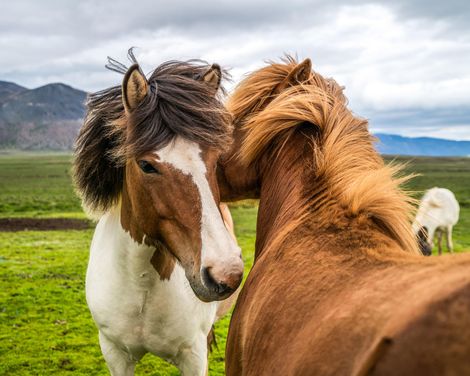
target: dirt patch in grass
43 224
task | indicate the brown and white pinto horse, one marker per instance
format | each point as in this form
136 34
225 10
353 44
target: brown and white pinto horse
338 286
161 256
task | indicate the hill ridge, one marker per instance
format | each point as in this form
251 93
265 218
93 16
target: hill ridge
421 146
47 117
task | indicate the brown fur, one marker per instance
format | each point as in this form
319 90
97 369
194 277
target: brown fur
338 286
163 261
146 211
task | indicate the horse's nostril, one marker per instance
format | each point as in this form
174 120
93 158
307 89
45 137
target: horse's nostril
223 288
218 287
207 277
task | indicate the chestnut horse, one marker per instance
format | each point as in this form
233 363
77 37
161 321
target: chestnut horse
161 257
338 286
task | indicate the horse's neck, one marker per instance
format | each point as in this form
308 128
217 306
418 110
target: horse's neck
280 193
285 226
293 205
131 257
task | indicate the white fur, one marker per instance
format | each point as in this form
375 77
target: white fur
438 212
135 311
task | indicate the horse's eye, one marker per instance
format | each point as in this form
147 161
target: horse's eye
148 168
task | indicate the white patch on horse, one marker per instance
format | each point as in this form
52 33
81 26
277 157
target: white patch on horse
186 157
135 311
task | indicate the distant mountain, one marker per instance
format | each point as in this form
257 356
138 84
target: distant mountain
47 117
421 146
8 89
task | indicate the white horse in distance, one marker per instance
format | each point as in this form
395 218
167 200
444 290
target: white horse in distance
437 214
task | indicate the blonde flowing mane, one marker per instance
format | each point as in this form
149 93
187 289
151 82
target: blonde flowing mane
345 164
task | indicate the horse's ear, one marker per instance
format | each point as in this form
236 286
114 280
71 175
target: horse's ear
302 71
299 74
134 88
212 77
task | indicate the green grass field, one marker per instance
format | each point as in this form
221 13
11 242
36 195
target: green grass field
36 185
45 326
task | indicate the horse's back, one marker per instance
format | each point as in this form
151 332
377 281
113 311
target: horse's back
437 342
324 320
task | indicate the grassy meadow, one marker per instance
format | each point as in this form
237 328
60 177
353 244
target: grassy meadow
45 325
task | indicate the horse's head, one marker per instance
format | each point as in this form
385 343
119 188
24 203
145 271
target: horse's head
250 97
168 138
295 138
423 241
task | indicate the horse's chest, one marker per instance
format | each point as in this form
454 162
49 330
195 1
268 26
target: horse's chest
142 312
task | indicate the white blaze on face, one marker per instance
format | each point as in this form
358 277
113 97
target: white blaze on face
217 244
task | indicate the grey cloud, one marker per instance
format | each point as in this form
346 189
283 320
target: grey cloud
397 56
455 11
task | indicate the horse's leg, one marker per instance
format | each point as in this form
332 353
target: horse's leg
120 363
450 245
193 360
439 241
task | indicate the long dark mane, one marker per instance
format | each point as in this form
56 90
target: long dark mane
179 103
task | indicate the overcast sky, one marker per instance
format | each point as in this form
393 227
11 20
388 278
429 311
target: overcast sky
405 63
